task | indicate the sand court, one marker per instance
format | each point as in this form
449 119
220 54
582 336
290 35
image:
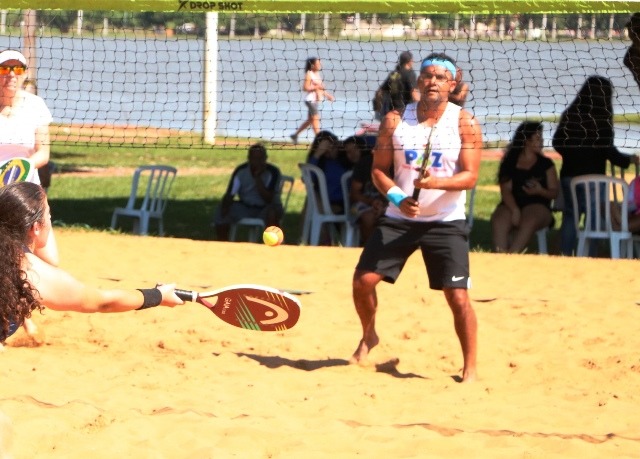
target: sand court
558 363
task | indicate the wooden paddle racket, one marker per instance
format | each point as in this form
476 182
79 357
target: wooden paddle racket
249 306
15 170
425 163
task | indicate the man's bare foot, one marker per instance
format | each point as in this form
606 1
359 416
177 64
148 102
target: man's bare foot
364 347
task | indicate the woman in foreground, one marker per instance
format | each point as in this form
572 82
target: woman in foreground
29 283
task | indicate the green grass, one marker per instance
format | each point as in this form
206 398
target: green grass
89 200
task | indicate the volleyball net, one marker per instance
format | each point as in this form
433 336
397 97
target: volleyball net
219 71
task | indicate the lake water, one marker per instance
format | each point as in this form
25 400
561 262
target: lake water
158 82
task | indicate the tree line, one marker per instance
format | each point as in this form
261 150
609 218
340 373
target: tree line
65 21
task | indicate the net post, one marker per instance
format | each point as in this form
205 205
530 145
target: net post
210 119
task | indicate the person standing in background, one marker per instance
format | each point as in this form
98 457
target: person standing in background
584 139
24 127
399 89
314 93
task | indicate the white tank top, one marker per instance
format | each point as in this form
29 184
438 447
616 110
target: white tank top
312 96
409 140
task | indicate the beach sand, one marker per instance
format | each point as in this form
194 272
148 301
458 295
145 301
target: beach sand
558 363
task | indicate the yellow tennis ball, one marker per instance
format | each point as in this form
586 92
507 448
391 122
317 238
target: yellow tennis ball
273 236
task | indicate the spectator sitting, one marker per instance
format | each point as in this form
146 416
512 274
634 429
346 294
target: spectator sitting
367 204
256 185
327 153
528 183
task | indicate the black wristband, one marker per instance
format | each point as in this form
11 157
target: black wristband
152 298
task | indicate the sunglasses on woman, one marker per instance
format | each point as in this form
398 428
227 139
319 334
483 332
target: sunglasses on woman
17 69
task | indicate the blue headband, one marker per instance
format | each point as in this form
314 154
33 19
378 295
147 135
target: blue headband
441 62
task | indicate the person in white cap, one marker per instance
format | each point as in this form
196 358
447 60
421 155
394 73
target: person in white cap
24 133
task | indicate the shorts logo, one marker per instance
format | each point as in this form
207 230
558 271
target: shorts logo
457 278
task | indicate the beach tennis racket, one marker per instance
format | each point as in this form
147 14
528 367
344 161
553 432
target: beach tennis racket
15 170
249 306
425 163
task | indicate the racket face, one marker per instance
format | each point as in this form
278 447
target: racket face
254 308
14 170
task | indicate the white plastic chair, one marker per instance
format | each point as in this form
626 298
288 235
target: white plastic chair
318 209
256 225
352 231
157 182
597 191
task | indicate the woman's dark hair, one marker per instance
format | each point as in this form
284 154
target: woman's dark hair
320 136
310 63
588 120
360 142
21 205
523 133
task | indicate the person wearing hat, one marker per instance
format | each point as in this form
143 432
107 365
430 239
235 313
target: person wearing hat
24 117
399 89
24 133
427 206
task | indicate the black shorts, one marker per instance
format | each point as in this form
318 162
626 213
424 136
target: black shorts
444 246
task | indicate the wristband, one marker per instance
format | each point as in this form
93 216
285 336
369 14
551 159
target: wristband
395 195
152 298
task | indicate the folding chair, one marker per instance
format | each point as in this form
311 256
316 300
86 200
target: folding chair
596 224
256 225
157 182
318 209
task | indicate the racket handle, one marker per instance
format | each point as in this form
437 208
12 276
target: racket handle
186 295
416 193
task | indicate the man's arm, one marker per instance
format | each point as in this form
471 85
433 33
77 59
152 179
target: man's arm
267 193
383 153
470 156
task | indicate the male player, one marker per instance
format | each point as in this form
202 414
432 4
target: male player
435 221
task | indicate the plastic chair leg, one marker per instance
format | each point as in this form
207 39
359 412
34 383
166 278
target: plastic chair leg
542 241
314 239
